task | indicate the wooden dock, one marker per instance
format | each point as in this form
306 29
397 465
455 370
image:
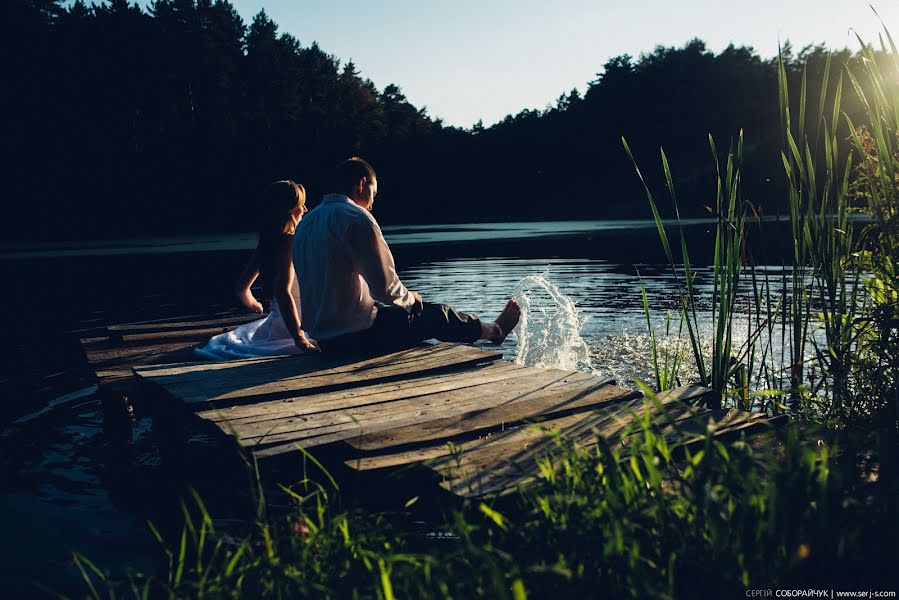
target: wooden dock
479 421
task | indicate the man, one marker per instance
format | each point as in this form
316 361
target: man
351 298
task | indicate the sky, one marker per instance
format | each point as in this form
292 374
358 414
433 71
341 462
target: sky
471 60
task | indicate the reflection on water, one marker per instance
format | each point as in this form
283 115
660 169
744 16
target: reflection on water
58 498
586 314
396 235
512 232
578 301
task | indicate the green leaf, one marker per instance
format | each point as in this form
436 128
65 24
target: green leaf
518 591
494 516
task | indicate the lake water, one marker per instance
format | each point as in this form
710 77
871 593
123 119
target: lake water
69 485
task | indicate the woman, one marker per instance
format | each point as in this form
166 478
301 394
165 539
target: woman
284 204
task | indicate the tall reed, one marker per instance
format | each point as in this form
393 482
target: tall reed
716 369
823 244
826 335
853 280
876 187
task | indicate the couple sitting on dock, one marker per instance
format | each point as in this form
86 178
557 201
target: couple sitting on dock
332 281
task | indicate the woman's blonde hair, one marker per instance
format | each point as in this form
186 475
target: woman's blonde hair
278 199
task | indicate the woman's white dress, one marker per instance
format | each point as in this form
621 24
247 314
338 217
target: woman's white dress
266 337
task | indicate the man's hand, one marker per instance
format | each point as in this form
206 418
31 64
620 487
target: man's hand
419 304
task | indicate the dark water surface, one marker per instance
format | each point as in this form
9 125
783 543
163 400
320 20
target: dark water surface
74 480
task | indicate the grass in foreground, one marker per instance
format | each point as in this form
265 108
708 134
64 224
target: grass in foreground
650 520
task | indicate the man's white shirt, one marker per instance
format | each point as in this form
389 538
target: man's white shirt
344 268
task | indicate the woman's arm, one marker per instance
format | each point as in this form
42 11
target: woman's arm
245 282
284 278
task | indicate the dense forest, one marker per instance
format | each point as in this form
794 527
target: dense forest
120 121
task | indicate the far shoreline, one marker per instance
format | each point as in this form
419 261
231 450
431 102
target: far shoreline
397 235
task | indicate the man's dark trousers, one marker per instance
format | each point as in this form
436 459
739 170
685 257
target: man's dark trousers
395 329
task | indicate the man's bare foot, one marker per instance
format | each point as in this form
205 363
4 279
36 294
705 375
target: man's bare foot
505 322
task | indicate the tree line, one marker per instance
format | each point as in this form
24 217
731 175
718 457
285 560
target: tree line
121 121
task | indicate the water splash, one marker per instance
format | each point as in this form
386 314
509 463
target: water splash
549 332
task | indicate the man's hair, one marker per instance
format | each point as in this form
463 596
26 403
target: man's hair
348 173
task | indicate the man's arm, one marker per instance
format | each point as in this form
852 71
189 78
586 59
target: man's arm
374 260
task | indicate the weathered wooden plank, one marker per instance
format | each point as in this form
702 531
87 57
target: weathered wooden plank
612 423
141 339
151 333
608 420
415 353
113 357
350 400
534 406
688 393
690 430
526 396
119 347
106 358
177 318
228 322
279 363
185 335
480 473
727 422
254 381
189 368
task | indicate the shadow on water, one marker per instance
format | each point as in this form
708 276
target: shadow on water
84 471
